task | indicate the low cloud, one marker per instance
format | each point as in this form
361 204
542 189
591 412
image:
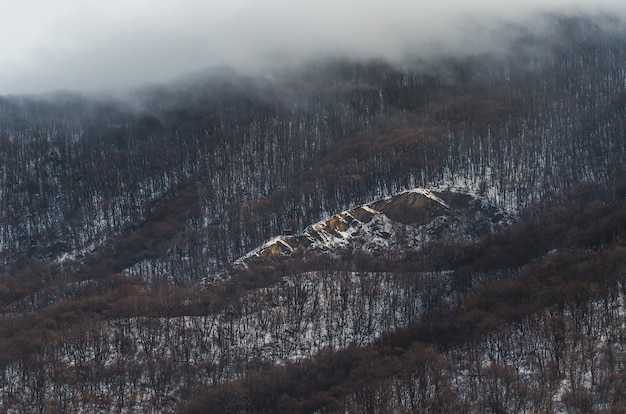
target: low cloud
115 45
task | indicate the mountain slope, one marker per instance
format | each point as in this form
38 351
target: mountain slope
261 155
112 213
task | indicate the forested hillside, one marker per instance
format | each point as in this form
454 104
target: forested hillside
445 234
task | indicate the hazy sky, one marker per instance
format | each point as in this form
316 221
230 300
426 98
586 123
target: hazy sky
90 45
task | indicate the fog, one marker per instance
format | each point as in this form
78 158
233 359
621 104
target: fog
88 46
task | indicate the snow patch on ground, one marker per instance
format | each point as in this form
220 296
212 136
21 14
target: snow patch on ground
366 228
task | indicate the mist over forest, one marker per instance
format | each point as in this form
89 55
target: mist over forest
114 47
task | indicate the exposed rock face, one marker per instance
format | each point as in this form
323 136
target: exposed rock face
399 223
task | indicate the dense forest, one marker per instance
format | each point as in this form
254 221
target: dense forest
124 221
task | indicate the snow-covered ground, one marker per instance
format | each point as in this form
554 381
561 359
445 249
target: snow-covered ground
143 362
